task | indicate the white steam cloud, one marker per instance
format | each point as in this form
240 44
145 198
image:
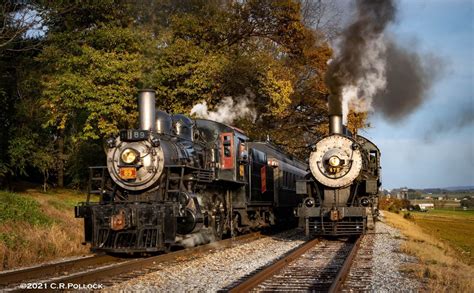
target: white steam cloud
358 97
226 111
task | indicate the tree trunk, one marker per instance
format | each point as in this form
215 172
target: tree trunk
61 159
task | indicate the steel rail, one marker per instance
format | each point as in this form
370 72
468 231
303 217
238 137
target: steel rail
273 269
22 275
346 266
129 266
269 271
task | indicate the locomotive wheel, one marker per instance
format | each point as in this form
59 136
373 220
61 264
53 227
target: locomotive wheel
218 216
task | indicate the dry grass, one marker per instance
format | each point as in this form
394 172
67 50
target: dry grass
439 263
24 242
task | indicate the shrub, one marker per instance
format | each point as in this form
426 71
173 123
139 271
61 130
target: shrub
408 216
393 204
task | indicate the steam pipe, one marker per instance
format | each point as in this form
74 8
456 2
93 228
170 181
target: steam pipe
335 115
146 109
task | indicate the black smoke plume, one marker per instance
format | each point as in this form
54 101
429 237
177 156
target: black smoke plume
409 76
346 69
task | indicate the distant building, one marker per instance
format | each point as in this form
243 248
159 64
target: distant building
426 206
402 193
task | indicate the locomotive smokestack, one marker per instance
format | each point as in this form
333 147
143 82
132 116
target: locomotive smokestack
146 109
335 114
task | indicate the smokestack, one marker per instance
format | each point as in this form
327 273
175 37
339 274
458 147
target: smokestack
146 109
335 114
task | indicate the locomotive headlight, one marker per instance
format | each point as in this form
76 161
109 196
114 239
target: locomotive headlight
334 161
129 156
309 202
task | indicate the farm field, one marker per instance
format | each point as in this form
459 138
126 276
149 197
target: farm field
454 227
36 227
442 262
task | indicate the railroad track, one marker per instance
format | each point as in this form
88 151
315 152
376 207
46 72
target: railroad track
54 269
316 266
107 269
359 278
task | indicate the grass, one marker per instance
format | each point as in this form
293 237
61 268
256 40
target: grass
440 262
15 207
454 227
37 227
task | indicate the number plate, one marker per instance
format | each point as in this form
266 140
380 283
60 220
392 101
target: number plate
128 173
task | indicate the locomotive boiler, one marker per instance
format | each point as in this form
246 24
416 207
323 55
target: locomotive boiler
179 181
341 192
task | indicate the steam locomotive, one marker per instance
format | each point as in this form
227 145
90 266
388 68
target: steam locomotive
177 181
341 192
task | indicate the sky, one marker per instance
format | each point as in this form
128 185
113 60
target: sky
430 148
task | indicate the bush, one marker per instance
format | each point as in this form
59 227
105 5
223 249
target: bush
408 216
393 209
393 204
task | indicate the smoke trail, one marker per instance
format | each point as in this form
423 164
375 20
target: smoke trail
226 111
373 72
459 118
409 76
358 63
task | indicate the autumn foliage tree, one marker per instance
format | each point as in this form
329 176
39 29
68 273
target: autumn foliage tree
79 85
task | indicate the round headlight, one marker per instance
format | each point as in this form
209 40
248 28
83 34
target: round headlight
129 156
365 202
334 161
309 202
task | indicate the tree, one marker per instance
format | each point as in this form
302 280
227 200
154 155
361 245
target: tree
92 63
20 21
80 85
258 49
325 16
20 30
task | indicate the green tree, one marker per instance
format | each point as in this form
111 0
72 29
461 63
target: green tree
91 65
259 49
80 85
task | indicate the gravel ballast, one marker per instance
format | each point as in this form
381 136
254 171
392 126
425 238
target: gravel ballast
377 268
388 262
213 271
378 264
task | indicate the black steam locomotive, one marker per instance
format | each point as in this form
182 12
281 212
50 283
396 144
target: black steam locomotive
182 181
342 189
